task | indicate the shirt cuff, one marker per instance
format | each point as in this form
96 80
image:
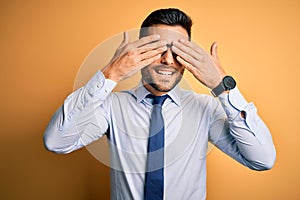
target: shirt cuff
99 87
233 103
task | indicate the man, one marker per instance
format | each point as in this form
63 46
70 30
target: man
176 167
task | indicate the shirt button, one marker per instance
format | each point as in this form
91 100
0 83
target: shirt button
106 90
99 85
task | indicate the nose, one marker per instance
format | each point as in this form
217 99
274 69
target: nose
167 58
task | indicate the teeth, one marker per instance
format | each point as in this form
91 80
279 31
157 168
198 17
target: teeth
165 73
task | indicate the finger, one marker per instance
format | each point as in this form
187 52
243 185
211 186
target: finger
191 45
148 61
214 50
151 53
191 69
152 46
185 49
145 40
187 65
186 56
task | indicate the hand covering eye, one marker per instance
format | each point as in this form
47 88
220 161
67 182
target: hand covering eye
173 54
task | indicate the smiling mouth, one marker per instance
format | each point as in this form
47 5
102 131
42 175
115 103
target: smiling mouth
165 71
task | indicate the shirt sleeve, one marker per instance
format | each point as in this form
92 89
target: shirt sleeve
83 117
246 139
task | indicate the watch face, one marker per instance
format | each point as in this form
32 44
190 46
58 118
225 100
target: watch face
229 82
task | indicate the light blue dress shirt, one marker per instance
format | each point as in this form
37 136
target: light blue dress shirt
191 121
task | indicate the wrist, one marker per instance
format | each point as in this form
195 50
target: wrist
216 82
227 84
108 74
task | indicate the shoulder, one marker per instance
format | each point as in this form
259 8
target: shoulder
125 98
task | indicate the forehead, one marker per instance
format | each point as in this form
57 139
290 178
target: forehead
168 33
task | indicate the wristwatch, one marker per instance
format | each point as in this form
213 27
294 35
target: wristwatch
228 83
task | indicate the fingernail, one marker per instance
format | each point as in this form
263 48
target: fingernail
182 40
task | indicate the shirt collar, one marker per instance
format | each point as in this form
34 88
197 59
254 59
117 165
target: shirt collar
140 93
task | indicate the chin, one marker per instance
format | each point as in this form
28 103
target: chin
163 87
161 82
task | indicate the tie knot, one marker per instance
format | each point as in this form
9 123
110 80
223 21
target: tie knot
159 100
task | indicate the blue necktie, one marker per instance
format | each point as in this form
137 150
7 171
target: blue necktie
154 177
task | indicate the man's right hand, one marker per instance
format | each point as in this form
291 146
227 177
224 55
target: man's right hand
130 57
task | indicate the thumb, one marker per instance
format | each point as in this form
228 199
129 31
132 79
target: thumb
214 50
125 39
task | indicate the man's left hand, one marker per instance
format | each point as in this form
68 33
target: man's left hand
205 67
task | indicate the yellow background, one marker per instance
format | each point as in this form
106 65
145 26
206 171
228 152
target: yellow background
43 44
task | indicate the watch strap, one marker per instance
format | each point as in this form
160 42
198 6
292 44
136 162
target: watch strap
218 90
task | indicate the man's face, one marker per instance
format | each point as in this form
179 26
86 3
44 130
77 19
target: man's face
164 74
